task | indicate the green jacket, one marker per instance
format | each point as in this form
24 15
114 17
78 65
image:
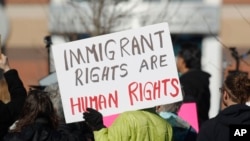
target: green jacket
136 126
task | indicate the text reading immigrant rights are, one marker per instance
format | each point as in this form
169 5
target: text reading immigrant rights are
112 50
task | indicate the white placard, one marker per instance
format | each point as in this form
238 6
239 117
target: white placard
117 72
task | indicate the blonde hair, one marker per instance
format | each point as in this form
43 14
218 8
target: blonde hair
4 91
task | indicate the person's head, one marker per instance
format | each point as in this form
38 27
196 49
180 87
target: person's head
173 107
4 91
189 57
235 89
36 105
55 96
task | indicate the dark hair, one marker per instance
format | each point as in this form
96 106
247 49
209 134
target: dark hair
238 85
191 54
37 104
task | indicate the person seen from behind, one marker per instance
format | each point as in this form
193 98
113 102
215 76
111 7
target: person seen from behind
194 80
235 92
12 95
182 130
129 126
38 121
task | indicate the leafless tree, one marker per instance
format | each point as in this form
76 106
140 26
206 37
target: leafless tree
103 16
97 17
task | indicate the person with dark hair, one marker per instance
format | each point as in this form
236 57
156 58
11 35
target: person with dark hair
235 92
79 130
13 95
129 126
194 80
39 121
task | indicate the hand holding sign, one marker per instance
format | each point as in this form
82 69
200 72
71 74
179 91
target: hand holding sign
94 119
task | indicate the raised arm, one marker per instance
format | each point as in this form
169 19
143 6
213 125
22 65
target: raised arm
15 86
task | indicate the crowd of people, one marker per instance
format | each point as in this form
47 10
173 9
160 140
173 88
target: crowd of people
37 114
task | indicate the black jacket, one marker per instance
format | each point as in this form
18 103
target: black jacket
77 131
41 130
195 84
217 129
9 112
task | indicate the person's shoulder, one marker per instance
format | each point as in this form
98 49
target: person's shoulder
209 124
12 137
207 74
137 113
11 74
11 71
207 130
26 133
197 72
140 115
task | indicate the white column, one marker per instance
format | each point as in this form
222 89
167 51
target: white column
212 63
213 2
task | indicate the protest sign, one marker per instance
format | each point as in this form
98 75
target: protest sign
113 73
188 112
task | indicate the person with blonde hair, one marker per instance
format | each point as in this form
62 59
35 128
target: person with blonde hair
4 92
235 92
11 85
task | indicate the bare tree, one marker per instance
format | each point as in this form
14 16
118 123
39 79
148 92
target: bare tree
103 16
97 17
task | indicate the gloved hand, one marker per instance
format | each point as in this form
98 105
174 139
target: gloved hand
94 119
